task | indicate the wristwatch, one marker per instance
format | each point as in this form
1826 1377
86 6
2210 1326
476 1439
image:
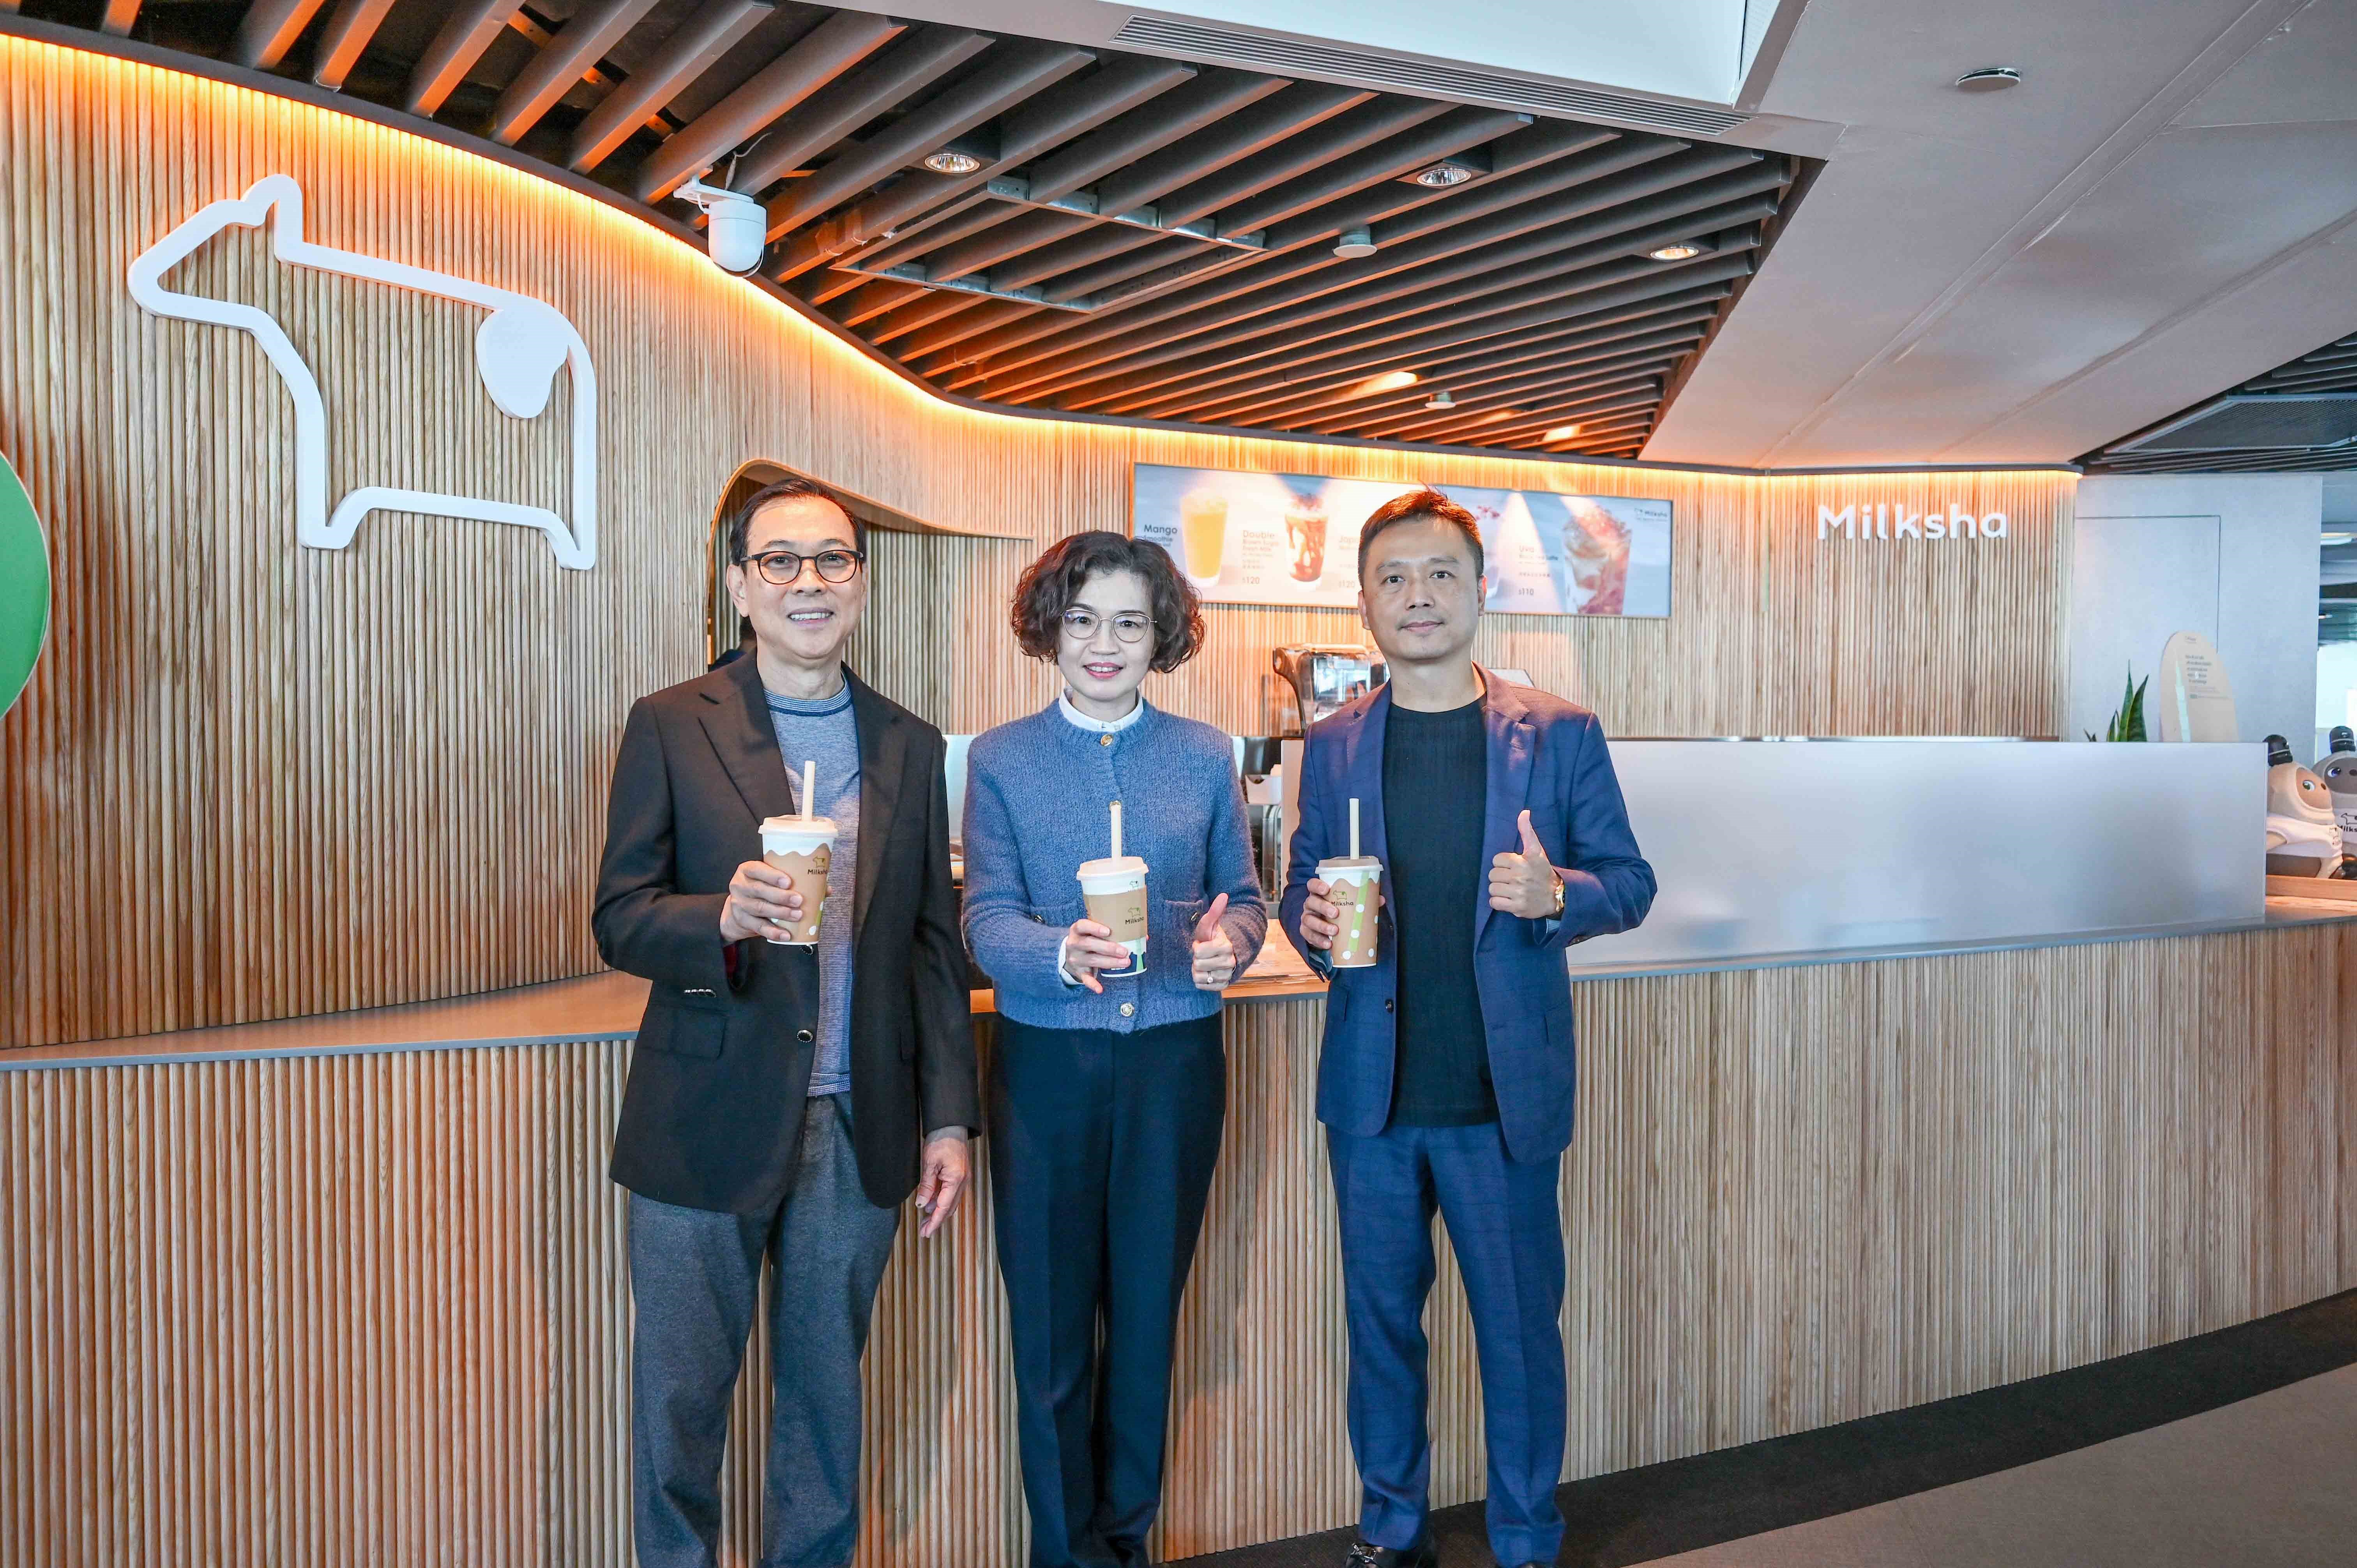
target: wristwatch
1556 913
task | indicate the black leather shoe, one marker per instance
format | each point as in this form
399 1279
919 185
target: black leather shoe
1363 1555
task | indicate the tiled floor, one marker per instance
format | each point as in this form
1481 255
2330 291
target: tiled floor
2237 1448
2270 1482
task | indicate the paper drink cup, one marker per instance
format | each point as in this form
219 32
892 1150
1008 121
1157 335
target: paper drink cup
1114 890
1354 884
802 847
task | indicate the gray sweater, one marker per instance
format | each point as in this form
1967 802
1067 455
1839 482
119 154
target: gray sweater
825 732
1038 795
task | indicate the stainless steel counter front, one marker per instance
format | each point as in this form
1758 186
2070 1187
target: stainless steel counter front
1782 850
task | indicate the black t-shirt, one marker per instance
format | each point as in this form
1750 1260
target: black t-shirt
1436 792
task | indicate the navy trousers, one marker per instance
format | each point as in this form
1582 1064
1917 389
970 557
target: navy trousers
1506 1227
1101 1153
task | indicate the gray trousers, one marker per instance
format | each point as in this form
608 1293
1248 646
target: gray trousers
695 1276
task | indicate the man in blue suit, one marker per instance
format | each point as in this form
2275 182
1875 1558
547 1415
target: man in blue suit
1447 1078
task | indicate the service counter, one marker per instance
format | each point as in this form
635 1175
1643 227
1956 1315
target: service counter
360 1278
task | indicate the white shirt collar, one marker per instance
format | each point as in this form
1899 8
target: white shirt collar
1082 721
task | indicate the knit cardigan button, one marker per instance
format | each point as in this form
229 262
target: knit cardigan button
1105 740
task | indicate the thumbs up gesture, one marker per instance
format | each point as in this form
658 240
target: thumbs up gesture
1215 956
1524 882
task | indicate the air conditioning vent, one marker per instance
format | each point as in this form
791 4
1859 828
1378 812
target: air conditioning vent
1191 40
2256 423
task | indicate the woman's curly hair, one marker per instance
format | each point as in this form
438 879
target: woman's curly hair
1051 583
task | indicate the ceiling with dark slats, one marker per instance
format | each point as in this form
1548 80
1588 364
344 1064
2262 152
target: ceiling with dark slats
2299 417
1035 223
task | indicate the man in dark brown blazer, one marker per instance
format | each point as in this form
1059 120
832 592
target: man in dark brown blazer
783 1100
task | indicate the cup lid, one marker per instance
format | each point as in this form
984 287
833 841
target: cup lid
1114 865
1350 863
813 827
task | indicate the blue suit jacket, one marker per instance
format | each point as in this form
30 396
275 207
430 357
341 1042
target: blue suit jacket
1546 756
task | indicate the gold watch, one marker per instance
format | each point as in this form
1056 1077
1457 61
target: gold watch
1556 913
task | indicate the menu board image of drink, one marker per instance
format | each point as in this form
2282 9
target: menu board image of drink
1293 539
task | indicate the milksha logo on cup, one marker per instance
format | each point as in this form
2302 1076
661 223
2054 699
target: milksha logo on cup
24 588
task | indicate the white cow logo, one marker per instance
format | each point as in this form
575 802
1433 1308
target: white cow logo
518 351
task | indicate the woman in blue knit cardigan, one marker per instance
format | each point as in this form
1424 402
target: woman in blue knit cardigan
1106 1091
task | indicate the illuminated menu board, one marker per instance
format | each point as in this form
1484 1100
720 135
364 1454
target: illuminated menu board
1293 539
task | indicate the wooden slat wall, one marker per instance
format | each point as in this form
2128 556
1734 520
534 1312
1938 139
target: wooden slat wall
1771 632
254 781
372 1310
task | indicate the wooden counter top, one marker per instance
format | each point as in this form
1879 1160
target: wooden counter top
607 1006
594 1008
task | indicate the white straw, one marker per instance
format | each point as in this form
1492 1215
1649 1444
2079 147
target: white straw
1354 827
1117 830
810 782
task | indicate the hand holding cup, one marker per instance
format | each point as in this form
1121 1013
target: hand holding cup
1321 917
761 902
1215 955
1089 947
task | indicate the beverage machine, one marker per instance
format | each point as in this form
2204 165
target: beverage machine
1314 680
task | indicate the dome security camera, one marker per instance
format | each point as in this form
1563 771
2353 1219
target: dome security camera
736 226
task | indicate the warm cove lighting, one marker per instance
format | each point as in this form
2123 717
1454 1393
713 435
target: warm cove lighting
1390 380
572 223
586 240
268 128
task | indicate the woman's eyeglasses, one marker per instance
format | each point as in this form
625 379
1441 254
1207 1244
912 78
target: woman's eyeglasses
1128 626
783 566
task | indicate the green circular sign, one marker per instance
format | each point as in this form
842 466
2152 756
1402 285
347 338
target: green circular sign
24 588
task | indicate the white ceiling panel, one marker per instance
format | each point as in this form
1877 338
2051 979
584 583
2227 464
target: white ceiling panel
1682 49
2192 214
2307 70
2020 276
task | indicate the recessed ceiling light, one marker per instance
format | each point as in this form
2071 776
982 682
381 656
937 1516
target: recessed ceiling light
1561 432
949 160
1990 79
1439 177
1352 243
1680 250
1390 380
2337 538
1440 401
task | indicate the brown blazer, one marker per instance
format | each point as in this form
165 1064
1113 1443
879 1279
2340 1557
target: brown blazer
712 1112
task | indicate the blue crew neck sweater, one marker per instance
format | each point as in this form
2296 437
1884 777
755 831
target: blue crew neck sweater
1038 793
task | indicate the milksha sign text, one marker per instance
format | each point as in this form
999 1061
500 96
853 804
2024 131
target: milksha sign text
1886 519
